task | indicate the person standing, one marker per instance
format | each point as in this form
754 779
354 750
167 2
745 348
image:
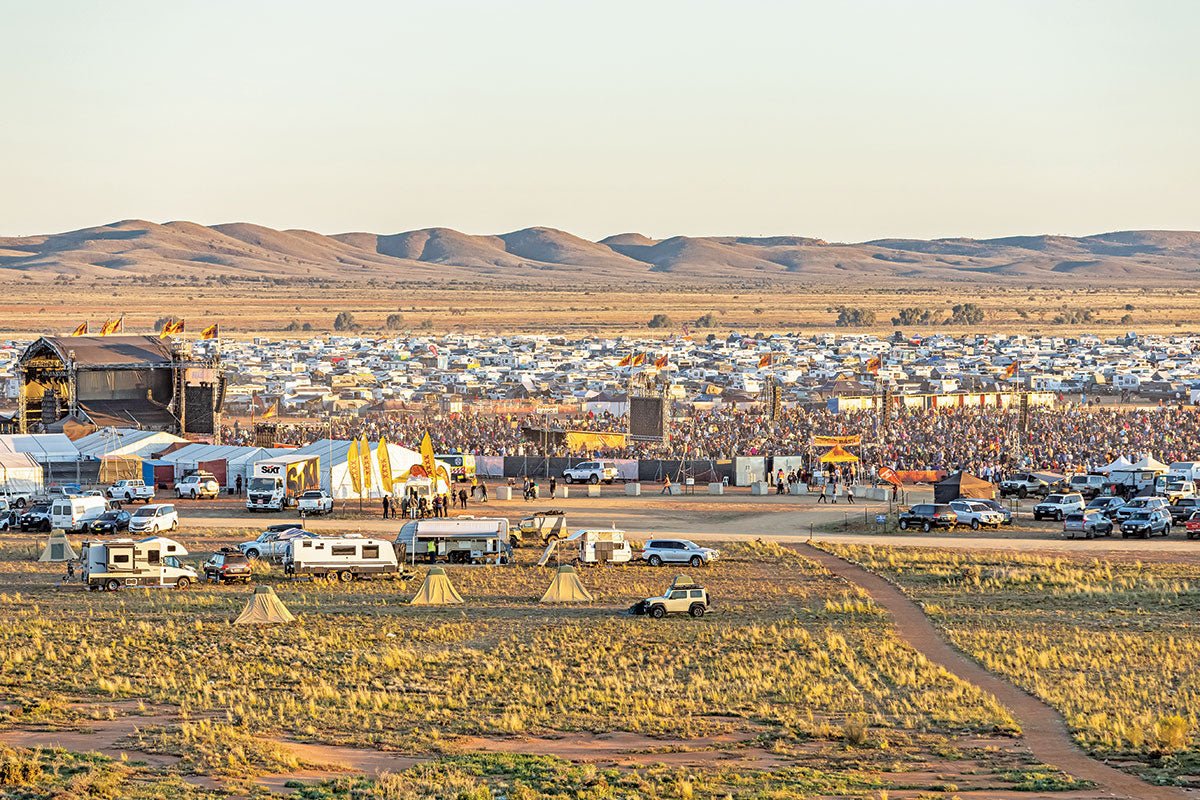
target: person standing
666 485
824 496
238 486
462 499
483 492
850 493
553 485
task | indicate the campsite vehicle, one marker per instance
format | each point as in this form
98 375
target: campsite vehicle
315 501
684 596
928 516
1005 514
1132 482
1146 523
1023 484
1087 485
227 565
118 563
35 518
16 499
1182 508
1106 505
198 485
1174 487
154 519
460 467
277 483
1057 506
75 513
602 546
1188 469
457 540
1192 525
541 526
342 558
64 490
110 522
677 551
591 472
1088 524
129 490
976 514
1127 510
273 544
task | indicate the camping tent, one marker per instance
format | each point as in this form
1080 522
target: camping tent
1151 464
838 455
58 548
566 588
962 484
436 590
264 608
1122 463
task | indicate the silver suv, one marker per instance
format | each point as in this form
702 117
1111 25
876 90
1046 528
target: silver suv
677 551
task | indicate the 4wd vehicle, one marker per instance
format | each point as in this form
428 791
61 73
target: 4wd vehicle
1088 524
35 518
1106 505
677 551
273 545
1182 508
1137 504
197 485
1147 523
315 502
1005 514
540 526
591 472
976 514
1023 484
1087 485
110 522
1174 487
129 490
684 597
154 519
1192 525
928 516
227 565
1057 506
17 500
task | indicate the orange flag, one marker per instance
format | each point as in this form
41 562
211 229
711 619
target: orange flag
625 362
1011 370
660 362
765 361
639 359
211 332
82 330
873 365
112 326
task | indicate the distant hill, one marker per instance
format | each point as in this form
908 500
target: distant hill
188 251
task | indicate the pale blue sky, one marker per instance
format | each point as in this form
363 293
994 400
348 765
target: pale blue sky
844 120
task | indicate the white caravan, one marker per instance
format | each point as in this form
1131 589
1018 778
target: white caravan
457 540
74 513
341 558
111 565
605 546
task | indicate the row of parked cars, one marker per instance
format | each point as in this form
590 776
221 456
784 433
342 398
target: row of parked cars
974 514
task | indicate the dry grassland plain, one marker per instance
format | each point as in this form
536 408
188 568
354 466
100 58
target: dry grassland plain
283 308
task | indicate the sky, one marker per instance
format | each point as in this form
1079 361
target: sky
845 120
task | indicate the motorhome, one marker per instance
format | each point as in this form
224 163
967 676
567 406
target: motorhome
341 558
276 483
460 540
119 563
75 513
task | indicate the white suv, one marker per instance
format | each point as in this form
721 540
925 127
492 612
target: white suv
197 485
975 514
154 519
591 472
677 551
1057 506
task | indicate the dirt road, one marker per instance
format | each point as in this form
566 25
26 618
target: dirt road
1043 728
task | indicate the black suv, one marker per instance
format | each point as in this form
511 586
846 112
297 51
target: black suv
1182 508
928 516
227 565
35 518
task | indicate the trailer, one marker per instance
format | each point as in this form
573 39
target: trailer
459 540
342 558
276 483
122 563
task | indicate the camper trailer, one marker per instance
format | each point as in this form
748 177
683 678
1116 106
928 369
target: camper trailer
599 546
341 558
112 565
461 540
276 483
75 513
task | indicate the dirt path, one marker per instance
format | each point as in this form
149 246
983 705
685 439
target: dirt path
1044 730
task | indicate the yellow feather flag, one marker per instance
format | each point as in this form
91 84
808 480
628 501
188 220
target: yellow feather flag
385 465
81 330
353 465
626 361
211 332
364 458
427 459
273 411
111 326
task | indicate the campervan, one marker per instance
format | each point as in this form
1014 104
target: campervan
276 483
75 513
459 540
111 565
342 558
604 546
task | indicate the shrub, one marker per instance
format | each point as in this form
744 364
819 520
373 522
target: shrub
965 314
708 320
854 317
344 321
659 321
394 321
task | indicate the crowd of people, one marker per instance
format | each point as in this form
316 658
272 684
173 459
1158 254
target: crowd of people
985 441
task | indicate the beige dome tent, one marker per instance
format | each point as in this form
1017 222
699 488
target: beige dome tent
566 588
436 590
58 548
264 608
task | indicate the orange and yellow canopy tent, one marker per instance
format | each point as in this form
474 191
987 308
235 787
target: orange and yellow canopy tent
838 455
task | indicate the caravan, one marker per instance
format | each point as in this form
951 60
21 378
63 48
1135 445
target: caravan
147 562
76 513
341 558
460 540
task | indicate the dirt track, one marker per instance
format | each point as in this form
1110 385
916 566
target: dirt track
1044 731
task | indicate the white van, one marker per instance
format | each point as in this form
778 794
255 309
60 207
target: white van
154 518
75 513
342 558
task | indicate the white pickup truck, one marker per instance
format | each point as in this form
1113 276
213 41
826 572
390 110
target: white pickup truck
129 490
315 502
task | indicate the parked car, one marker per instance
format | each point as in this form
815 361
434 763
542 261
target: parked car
1087 485
677 551
129 490
35 518
153 519
684 596
591 472
1106 505
1192 525
976 514
1088 524
1137 504
1183 508
928 516
197 485
1023 484
110 522
999 508
227 565
273 545
315 502
1057 506
1147 523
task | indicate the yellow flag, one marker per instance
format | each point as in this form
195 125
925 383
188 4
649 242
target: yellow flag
385 465
82 330
364 459
211 332
353 465
427 459
273 411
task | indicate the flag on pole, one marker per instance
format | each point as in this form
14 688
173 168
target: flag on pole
888 475
364 457
385 465
626 361
172 327
211 332
81 330
273 411
873 365
660 362
1011 370
764 361
639 359
112 326
354 467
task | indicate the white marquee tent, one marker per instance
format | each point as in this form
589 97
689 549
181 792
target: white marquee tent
46 448
335 451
